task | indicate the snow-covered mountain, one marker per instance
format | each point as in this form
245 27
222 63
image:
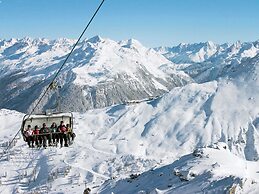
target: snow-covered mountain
100 72
151 147
208 61
103 72
189 53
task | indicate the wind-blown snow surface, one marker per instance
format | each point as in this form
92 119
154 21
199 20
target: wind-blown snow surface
118 141
100 72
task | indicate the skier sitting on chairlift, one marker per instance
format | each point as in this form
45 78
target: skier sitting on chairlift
29 136
45 135
37 138
63 135
54 134
70 134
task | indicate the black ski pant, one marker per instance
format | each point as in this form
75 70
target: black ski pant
30 141
63 137
56 137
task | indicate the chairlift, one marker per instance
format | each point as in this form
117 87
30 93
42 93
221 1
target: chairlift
48 118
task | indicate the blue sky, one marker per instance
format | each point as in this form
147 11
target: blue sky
152 22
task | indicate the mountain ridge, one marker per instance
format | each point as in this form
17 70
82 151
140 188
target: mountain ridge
208 61
99 73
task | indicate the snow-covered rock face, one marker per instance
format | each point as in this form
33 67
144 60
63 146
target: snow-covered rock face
99 73
208 61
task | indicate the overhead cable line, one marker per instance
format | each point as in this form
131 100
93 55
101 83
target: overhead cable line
61 67
56 75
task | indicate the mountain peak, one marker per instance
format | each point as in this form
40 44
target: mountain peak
182 44
133 41
237 43
130 43
12 40
210 43
27 40
95 39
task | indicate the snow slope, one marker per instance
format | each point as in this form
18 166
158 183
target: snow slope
206 170
100 72
116 142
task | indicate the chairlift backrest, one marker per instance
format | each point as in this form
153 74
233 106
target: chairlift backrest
39 119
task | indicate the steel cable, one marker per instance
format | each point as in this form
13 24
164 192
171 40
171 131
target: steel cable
55 76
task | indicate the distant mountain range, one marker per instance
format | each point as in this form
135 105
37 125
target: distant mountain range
103 72
208 61
100 72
